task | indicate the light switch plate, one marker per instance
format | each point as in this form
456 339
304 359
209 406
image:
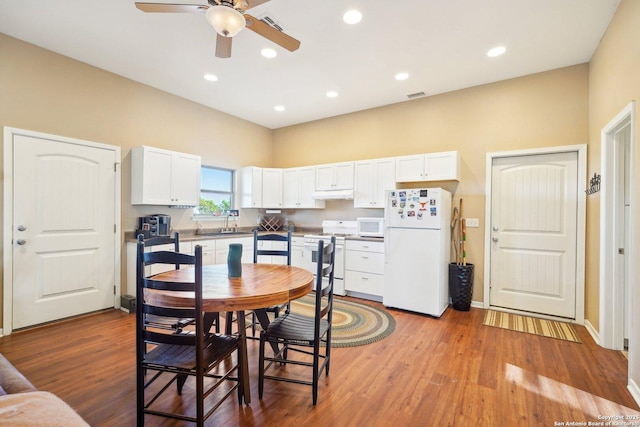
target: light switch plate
473 222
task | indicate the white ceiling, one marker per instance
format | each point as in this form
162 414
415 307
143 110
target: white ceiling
442 44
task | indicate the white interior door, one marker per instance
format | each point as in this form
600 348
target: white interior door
534 233
64 223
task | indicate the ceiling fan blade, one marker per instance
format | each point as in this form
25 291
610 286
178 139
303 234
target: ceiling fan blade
268 32
223 46
171 8
248 4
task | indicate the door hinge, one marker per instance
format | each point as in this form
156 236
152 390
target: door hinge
114 228
621 251
115 167
114 289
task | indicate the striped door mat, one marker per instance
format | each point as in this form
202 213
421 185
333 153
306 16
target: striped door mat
531 325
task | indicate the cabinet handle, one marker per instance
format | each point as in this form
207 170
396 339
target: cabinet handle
364 278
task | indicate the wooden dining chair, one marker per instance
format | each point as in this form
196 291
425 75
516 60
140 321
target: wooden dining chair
167 357
156 266
299 338
284 254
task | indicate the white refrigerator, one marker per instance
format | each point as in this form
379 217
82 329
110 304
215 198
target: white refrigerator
417 243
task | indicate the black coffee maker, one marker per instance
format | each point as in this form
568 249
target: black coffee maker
154 225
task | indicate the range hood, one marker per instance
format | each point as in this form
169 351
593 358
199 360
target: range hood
333 195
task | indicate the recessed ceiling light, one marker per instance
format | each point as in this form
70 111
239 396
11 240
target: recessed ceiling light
269 53
279 108
402 76
332 94
496 51
211 77
352 17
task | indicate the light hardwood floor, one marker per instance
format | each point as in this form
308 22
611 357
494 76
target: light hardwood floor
451 371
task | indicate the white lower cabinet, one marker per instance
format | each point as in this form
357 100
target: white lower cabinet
364 268
271 245
132 254
214 251
222 249
297 252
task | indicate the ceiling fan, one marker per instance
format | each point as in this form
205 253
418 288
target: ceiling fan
227 17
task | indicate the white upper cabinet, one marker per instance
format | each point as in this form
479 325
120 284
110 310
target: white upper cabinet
372 178
261 188
163 177
298 184
251 187
334 176
428 167
271 188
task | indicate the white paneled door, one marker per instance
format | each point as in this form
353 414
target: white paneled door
64 223
533 233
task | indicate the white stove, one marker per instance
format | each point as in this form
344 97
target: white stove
339 229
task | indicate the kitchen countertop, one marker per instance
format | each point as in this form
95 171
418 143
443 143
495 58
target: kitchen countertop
192 235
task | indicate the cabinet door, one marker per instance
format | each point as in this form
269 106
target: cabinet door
150 176
297 252
364 185
385 179
185 180
271 188
290 188
343 176
251 187
306 187
410 168
441 166
324 177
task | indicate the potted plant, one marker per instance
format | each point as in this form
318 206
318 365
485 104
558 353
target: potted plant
460 272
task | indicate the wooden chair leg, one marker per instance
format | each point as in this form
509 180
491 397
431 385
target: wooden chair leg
261 365
182 378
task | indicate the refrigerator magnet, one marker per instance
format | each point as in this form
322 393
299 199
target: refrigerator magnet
411 213
434 211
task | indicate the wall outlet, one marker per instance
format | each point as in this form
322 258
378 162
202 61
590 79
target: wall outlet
472 222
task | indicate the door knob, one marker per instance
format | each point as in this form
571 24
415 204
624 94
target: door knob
495 239
495 228
21 242
21 228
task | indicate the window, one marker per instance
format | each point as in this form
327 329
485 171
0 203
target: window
216 191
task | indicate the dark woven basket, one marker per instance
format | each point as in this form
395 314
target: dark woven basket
461 286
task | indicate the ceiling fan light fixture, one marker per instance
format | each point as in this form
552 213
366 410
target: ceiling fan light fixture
226 20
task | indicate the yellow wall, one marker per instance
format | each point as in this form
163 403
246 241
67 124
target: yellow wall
540 110
46 92
614 82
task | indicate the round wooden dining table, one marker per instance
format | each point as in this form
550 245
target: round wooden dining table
260 286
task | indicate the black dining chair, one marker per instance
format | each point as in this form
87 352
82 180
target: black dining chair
300 338
167 357
284 253
176 324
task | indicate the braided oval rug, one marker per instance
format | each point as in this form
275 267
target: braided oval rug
354 324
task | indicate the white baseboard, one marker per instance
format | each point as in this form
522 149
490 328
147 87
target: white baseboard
1 333
592 331
634 390
477 304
